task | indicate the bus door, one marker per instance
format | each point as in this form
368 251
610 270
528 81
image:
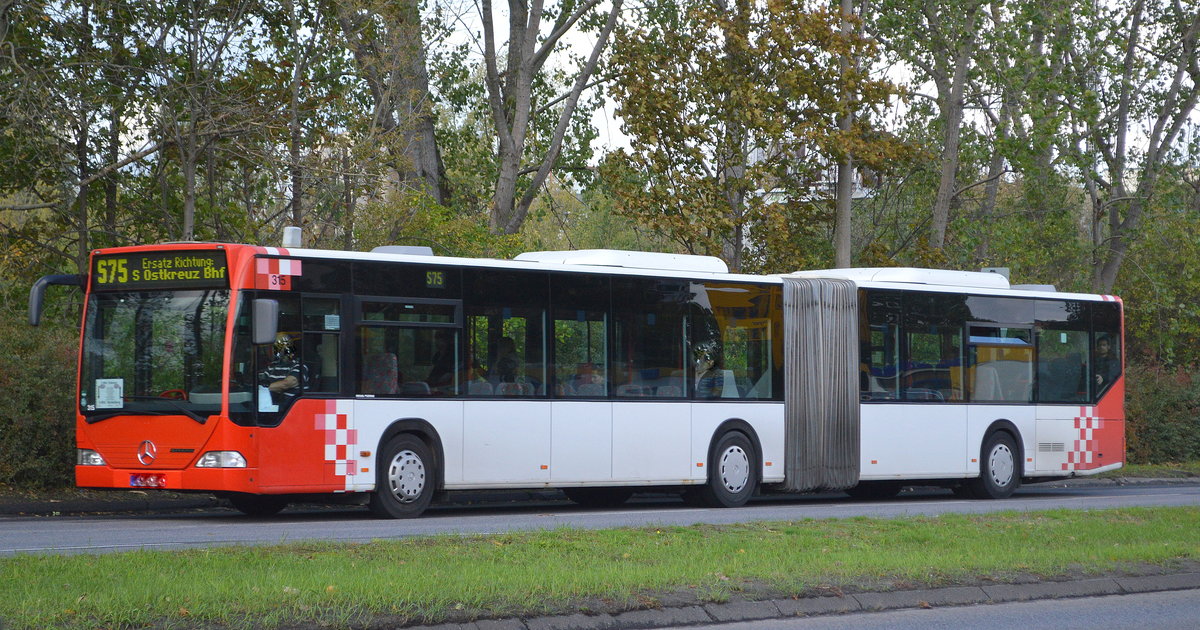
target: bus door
506 421
913 379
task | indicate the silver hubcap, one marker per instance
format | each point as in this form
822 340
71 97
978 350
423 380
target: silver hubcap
1001 465
735 469
406 476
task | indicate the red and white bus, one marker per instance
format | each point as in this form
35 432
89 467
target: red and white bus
270 375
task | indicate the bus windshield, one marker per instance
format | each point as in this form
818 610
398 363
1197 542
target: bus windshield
153 352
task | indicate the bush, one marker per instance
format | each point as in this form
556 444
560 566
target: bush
1163 413
37 383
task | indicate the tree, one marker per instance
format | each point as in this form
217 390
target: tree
1137 85
510 91
937 40
733 111
389 49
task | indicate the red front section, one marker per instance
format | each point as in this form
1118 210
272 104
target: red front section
292 460
178 441
1099 432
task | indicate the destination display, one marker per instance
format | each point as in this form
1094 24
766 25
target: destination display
173 269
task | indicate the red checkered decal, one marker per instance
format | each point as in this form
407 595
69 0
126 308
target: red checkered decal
341 439
276 274
1082 454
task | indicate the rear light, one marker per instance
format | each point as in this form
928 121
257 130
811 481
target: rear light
221 459
88 457
147 481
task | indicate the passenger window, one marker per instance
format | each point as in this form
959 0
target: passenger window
649 335
409 347
322 325
1062 351
580 336
506 333
932 367
879 361
1062 363
1001 360
736 345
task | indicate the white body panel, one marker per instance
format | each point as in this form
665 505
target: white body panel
491 444
502 443
582 442
505 442
651 441
373 417
913 441
765 418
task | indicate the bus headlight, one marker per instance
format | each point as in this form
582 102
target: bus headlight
221 459
88 457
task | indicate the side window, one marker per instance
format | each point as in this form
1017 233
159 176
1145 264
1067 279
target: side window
879 351
1001 360
932 352
506 332
282 372
409 348
580 316
1106 347
1062 331
649 334
322 325
735 335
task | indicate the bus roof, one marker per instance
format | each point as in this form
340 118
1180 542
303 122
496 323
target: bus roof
912 275
624 262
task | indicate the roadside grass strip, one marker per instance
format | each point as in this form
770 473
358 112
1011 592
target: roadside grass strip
435 579
1178 470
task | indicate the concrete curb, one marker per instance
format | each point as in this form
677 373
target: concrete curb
816 606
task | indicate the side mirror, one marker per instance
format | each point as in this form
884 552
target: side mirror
266 321
37 293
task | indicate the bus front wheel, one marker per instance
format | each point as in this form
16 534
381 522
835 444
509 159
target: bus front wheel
404 479
732 476
999 468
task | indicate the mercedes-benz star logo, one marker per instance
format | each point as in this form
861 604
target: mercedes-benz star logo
147 452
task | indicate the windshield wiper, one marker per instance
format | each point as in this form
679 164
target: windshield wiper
174 403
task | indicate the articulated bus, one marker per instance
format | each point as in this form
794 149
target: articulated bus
270 375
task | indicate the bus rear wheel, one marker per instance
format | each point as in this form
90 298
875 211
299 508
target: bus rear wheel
999 468
732 476
258 504
598 497
404 478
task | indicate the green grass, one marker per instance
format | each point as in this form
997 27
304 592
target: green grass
435 579
1157 471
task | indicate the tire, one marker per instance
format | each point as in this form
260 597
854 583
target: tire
258 504
404 478
732 473
598 497
999 468
874 490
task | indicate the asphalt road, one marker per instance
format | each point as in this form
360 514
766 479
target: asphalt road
1173 610
106 534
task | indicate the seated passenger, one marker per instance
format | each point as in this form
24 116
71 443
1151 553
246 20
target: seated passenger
507 365
710 378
